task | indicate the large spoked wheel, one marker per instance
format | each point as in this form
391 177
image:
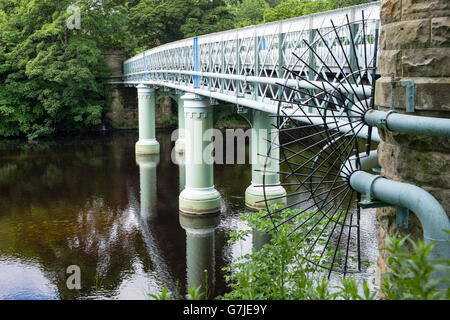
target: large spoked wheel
321 134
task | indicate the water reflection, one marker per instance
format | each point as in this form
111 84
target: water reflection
88 201
25 281
200 243
72 205
200 259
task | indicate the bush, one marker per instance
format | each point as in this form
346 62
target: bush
277 271
411 275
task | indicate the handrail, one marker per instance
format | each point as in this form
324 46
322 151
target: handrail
319 20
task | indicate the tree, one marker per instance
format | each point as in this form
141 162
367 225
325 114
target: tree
52 78
157 22
249 12
207 16
295 8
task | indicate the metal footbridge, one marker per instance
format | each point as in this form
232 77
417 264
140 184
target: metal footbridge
245 66
317 75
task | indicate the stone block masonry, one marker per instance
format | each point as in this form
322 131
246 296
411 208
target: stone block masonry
123 110
415 45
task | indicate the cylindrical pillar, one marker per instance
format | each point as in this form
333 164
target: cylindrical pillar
147 177
180 144
147 143
199 195
264 170
200 260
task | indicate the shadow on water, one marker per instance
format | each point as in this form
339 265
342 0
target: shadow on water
88 201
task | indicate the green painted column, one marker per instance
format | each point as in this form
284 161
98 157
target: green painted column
263 132
199 195
178 159
200 258
147 143
147 178
180 144
260 239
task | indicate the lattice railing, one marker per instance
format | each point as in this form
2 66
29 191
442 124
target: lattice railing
243 66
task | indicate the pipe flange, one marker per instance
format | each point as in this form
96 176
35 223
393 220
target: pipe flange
383 121
369 190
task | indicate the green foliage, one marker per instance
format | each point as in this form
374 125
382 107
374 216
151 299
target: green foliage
207 16
249 12
410 277
194 293
164 295
52 78
278 272
157 22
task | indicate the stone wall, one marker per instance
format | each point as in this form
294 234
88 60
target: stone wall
415 45
123 112
163 111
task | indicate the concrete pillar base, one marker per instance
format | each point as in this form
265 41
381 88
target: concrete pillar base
180 145
199 201
149 146
195 223
254 194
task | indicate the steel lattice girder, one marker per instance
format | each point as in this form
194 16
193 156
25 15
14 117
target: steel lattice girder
245 65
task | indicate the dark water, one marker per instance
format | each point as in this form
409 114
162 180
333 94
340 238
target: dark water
79 201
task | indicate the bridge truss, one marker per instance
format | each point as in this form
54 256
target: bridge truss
246 66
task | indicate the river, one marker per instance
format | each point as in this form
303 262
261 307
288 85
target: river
78 201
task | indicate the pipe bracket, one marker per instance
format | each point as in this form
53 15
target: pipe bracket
410 94
402 217
369 202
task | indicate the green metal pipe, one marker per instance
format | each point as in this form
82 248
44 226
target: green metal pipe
399 122
432 216
368 162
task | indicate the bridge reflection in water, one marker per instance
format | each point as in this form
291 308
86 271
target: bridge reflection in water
88 201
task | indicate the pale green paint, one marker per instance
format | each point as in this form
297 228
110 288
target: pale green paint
432 216
199 195
180 143
147 143
264 170
147 177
